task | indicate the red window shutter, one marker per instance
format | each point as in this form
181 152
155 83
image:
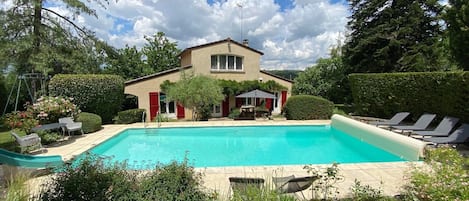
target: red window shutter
225 107
154 105
284 97
180 111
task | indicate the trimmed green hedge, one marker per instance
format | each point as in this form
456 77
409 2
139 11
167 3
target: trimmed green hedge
90 122
98 94
384 94
303 107
129 116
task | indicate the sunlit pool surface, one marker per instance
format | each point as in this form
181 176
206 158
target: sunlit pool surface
239 146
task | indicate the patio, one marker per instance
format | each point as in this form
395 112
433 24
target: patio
387 176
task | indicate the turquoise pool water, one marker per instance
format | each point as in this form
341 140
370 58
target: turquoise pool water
240 146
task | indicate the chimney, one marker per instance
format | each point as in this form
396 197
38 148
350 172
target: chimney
246 42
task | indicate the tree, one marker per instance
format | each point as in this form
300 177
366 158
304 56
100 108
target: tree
160 53
326 79
37 39
457 20
128 64
198 93
392 36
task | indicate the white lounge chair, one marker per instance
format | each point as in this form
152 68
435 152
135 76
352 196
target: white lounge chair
27 141
70 125
292 184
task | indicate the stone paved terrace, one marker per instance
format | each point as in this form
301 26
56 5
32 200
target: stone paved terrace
387 176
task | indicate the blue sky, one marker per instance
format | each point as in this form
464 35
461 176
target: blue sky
292 34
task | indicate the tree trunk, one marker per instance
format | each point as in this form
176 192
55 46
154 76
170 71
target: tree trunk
36 27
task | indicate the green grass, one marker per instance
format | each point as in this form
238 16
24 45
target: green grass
6 140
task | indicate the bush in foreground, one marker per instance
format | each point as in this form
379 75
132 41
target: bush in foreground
305 107
94 178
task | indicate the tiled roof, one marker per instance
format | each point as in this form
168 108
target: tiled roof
130 82
218 42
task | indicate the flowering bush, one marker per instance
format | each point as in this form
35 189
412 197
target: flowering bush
22 120
49 109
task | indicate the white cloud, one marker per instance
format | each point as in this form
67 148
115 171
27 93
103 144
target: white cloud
291 38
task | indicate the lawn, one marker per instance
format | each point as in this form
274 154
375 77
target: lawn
6 140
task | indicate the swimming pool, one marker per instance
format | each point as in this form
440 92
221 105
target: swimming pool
240 146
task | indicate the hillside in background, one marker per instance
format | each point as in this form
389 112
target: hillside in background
287 74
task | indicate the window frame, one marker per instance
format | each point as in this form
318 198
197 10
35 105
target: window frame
226 67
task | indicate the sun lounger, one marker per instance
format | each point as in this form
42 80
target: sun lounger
443 129
394 121
459 136
292 184
421 124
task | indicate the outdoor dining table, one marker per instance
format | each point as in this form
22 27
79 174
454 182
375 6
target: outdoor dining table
48 127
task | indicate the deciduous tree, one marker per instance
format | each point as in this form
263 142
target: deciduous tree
161 54
196 92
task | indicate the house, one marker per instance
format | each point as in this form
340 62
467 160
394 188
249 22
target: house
225 59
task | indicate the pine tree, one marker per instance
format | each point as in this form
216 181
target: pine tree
457 20
393 35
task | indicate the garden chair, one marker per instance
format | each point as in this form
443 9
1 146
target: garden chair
394 121
27 141
459 136
70 125
292 184
442 130
421 124
242 185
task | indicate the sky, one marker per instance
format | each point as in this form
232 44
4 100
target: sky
292 34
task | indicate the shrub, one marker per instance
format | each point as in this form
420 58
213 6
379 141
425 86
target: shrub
49 109
362 192
384 94
90 122
23 121
446 178
234 113
304 107
176 181
98 94
129 116
92 178
48 137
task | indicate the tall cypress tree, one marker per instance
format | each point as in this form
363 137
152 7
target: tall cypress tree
457 20
393 35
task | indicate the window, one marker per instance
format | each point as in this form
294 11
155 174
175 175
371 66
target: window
214 61
166 107
231 62
222 63
226 63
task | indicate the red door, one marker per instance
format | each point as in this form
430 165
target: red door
154 105
180 111
284 97
225 107
268 104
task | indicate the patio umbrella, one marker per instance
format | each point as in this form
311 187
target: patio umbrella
256 94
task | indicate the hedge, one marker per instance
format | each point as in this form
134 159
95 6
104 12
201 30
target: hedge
90 122
98 94
382 95
303 107
129 116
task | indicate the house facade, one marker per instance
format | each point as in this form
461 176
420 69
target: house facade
225 59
